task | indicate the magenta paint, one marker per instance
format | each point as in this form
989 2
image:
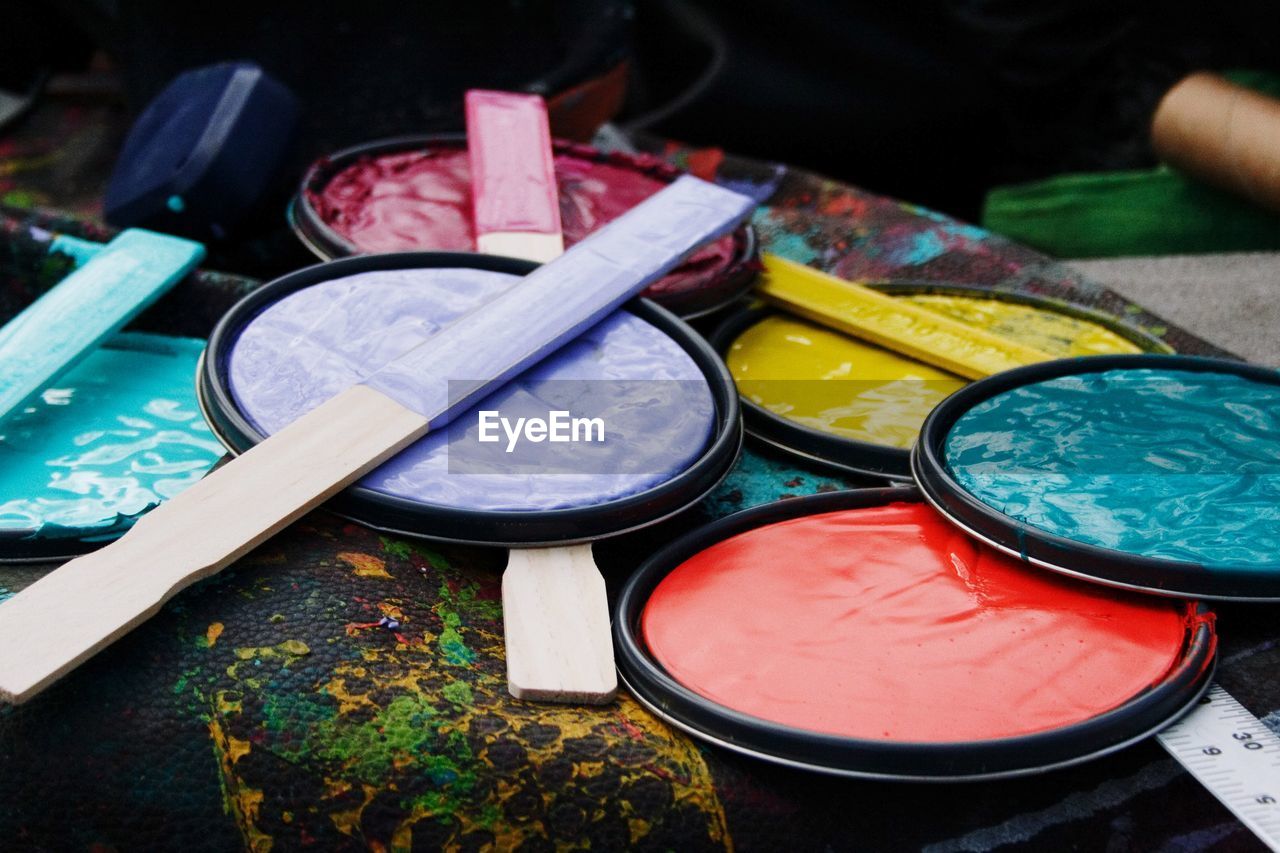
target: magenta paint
513 179
416 194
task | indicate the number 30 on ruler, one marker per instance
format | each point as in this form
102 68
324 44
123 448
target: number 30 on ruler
1235 756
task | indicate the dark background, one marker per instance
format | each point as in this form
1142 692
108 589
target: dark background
933 101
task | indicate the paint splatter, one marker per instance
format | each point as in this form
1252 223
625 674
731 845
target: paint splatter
366 565
417 730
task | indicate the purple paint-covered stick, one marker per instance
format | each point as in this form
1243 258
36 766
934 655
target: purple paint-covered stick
559 301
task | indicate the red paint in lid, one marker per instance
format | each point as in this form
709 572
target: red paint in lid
886 623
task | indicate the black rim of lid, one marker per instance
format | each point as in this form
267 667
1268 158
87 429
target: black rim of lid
482 527
29 546
1143 715
864 457
327 244
1060 554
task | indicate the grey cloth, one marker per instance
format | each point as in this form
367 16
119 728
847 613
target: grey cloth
1232 300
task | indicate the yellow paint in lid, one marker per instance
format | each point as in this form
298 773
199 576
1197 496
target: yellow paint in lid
787 364
919 333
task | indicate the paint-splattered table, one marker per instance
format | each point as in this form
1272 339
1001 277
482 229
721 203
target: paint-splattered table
272 707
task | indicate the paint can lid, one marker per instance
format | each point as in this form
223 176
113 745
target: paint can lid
1187 668
844 453
706 284
440 511
116 435
1158 476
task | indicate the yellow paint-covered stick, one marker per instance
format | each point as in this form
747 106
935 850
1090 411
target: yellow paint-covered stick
891 323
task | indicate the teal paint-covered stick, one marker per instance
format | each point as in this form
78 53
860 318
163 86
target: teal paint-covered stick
86 308
78 249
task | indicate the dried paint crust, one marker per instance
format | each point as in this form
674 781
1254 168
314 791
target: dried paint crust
394 703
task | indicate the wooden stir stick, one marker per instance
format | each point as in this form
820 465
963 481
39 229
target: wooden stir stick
555 611
97 598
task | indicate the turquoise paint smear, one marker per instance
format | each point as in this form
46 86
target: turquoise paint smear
920 249
758 479
117 434
966 232
923 246
1159 463
779 241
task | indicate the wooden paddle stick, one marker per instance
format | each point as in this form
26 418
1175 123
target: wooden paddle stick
891 323
62 619
76 610
555 611
555 621
513 178
93 303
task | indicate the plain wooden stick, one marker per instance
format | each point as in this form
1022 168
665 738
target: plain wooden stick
555 617
65 617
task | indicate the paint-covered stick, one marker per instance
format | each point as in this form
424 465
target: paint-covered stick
891 323
87 307
100 597
513 179
555 612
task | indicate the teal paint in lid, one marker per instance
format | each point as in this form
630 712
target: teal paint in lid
114 436
1159 473
1157 463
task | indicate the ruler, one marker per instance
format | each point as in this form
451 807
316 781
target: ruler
1235 757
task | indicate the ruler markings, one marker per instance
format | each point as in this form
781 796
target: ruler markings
1235 757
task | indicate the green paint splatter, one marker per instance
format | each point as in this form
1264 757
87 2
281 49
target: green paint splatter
458 692
452 646
467 602
403 730
396 547
404 550
435 558
20 198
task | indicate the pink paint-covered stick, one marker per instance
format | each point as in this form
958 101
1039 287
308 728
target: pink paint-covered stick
513 180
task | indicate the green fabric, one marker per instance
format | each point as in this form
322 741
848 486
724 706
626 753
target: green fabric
1141 212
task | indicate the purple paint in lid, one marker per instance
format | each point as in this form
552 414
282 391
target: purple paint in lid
315 342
